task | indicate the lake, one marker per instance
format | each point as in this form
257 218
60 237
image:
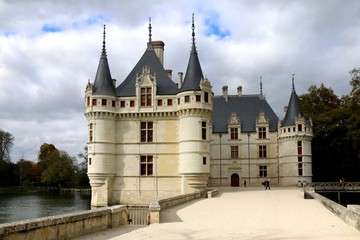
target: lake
22 206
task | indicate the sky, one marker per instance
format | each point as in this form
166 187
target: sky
49 50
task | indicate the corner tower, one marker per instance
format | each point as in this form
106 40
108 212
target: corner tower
100 100
294 136
195 105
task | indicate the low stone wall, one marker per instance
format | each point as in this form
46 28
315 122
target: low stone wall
350 215
156 206
65 226
212 193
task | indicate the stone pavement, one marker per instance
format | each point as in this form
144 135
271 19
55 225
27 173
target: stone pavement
242 213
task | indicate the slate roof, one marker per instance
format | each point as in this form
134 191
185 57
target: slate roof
193 73
165 86
293 110
247 108
103 82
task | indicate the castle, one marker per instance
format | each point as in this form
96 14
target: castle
151 138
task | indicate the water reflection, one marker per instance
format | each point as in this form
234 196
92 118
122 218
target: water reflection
16 206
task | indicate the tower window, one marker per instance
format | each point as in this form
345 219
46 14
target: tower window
132 103
299 147
198 98
113 103
300 168
187 99
169 102
103 102
159 102
234 151
146 131
122 104
262 132
263 171
299 127
262 151
203 130
89 161
146 165
90 132
94 102
204 160
145 96
234 133
88 101
206 97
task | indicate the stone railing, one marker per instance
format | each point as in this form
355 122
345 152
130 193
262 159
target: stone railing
156 206
336 186
66 226
350 215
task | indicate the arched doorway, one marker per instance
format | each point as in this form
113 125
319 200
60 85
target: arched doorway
235 180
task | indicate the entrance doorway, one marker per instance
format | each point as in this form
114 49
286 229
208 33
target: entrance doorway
235 180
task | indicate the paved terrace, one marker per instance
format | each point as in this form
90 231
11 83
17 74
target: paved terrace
242 213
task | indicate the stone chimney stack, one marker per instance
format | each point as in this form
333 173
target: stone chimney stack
180 78
285 110
239 90
169 73
225 92
159 50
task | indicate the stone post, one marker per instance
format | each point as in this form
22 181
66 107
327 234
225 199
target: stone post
154 215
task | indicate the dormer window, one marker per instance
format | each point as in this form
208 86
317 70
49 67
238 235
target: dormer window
145 96
262 132
234 133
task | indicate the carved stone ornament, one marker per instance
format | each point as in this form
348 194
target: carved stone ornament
234 119
145 77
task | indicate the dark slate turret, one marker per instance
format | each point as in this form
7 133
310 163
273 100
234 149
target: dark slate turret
193 73
103 82
294 108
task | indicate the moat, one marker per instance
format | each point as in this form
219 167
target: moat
23 206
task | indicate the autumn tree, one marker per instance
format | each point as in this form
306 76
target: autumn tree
6 142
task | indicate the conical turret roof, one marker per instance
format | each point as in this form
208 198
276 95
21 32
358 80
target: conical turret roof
294 108
103 82
193 73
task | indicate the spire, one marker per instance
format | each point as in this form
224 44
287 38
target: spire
193 73
294 107
149 31
103 82
261 90
103 52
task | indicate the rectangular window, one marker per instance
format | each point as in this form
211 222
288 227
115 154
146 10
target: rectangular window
89 161
234 151
145 97
146 165
198 98
169 102
262 132
299 159
187 99
159 102
103 102
234 133
122 104
263 171
146 131
299 147
203 130
300 169
204 160
262 151
94 102
206 97
299 127
113 103
178 101
90 132
132 103
88 101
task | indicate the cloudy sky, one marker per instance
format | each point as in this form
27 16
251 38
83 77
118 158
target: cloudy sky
50 49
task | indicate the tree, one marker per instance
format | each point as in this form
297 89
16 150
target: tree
6 142
82 177
23 170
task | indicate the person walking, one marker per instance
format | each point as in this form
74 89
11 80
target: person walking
267 184
244 183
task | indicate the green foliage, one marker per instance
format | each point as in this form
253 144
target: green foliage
6 142
336 125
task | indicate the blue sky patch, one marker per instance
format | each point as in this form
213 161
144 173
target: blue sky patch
51 28
100 18
214 28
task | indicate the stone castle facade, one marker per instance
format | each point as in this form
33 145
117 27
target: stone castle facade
151 138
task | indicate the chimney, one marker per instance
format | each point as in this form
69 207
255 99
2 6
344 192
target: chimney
285 110
239 90
159 50
180 77
225 92
114 82
169 73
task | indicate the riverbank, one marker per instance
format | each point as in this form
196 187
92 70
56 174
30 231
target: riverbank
22 189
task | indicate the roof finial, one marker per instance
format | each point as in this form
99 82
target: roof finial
193 32
261 90
293 85
103 52
150 30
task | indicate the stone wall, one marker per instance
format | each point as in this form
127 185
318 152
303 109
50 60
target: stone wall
65 226
350 215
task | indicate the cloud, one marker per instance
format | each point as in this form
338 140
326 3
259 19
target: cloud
50 49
